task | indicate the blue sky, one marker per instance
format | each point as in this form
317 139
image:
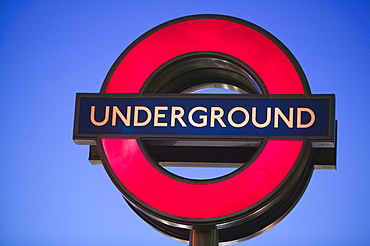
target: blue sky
50 50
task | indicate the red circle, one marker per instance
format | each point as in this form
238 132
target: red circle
202 201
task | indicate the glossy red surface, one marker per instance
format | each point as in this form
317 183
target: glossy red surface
206 200
234 39
177 198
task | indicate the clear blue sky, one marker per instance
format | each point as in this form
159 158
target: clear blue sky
51 195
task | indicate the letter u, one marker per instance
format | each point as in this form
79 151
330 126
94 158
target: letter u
254 118
101 123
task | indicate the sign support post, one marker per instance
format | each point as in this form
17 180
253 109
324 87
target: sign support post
203 236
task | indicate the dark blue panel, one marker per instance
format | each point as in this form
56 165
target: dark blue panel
321 108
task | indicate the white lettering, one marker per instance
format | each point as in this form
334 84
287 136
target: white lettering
288 122
125 120
254 117
101 123
178 117
158 115
230 117
202 117
217 117
299 117
136 116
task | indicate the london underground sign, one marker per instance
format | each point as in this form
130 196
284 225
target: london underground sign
145 100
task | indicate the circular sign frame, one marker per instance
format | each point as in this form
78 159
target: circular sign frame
240 196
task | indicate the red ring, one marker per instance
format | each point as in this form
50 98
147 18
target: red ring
203 201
